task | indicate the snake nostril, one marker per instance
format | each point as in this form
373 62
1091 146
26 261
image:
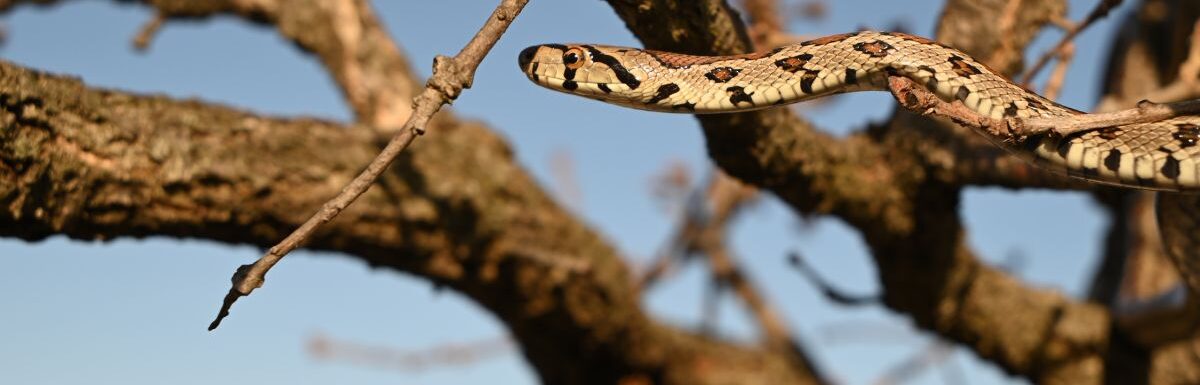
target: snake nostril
526 56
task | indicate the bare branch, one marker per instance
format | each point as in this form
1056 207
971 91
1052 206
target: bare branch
831 293
1102 9
1059 75
450 76
146 34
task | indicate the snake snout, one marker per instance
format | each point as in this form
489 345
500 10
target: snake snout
526 57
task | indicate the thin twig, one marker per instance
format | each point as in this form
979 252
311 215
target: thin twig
1059 75
146 34
450 77
831 293
1102 9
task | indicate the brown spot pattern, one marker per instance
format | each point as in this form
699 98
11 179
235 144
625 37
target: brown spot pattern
793 64
722 74
876 48
962 68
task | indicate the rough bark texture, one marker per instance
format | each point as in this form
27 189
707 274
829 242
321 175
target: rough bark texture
95 164
100 164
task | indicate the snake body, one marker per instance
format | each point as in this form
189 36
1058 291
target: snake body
1162 155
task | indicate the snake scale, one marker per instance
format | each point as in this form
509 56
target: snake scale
1160 156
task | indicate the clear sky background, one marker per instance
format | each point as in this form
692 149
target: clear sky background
134 311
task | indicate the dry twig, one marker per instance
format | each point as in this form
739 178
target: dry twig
450 76
831 293
1059 75
1102 9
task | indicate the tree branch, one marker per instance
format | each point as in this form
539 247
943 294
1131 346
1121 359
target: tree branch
101 164
450 76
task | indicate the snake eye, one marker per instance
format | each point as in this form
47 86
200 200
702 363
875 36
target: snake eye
573 58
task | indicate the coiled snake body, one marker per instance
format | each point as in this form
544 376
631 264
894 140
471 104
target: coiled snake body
1162 155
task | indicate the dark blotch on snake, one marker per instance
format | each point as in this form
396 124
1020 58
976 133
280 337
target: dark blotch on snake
1108 133
1035 103
664 91
685 106
738 94
1171 168
851 76
1187 134
568 73
1032 143
1011 110
1064 148
722 74
604 87
962 94
962 68
615 65
570 85
876 48
806 81
793 64
1113 161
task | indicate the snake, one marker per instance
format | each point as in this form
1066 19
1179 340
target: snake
1163 155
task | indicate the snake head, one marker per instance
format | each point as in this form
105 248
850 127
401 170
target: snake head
600 72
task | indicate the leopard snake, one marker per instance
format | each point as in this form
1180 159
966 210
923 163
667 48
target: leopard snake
1159 156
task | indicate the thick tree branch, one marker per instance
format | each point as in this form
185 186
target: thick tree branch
101 164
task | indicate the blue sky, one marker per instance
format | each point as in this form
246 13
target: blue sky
134 311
